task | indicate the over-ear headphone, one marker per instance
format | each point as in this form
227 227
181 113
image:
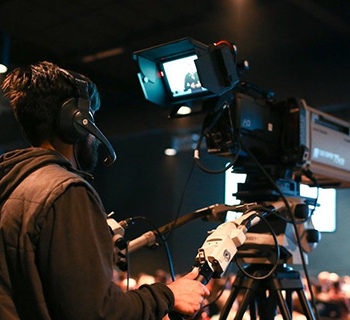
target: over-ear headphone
75 119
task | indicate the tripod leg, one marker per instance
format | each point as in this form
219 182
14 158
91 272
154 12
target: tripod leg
282 304
249 285
306 305
286 313
266 305
228 304
252 310
248 298
289 300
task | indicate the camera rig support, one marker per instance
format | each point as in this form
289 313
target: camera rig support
277 143
219 249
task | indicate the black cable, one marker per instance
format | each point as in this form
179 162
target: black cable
206 129
216 298
316 200
164 241
309 214
308 173
181 202
219 171
169 257
127 267
278 252
262 169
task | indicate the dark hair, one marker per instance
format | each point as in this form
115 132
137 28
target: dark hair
36 94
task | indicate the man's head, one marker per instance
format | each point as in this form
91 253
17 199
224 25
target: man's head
36 94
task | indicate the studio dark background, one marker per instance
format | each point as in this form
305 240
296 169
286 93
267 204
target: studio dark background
296 48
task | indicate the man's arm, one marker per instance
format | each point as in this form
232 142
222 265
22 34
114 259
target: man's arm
75 262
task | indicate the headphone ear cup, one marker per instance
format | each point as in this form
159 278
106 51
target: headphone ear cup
65 122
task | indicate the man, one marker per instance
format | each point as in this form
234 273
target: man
55 245
192 82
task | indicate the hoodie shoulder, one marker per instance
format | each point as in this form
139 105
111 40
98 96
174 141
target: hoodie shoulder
24 211
48 182
17 165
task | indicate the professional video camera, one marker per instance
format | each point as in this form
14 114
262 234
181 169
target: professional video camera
278 144
284 135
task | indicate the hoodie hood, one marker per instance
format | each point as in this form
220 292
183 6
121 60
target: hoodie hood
16 165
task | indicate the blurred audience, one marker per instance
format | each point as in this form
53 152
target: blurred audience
144 278
332 296
331 291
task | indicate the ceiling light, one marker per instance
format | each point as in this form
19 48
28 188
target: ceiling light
3 68
184 110
5 52
103 55
170 152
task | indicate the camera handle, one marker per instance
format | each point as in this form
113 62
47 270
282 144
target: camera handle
220 247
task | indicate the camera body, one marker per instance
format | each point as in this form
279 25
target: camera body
292 142
284 136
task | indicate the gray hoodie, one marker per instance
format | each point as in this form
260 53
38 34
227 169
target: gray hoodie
56 249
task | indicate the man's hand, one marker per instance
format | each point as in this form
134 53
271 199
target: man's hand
189 293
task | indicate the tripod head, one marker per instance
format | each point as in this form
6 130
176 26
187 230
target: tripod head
260 246
260 241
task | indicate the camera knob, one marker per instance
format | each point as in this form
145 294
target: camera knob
313 236
301 211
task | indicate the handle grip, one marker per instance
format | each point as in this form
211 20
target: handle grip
203 277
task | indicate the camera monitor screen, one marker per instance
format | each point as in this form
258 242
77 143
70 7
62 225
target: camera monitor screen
182 76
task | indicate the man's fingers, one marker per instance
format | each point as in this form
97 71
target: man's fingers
189 293
206 291
193 274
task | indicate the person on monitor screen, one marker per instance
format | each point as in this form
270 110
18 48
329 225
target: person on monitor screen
55 246
192 82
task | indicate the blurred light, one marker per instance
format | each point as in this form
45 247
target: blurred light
102 55
184 110
3 68
195 137
170 152
4 52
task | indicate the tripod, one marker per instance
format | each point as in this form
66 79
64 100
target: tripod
265 295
